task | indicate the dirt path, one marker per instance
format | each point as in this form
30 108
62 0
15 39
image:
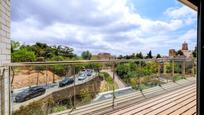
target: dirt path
27 78
120 83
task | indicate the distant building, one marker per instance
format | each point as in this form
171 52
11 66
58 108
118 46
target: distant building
187 53
172 52
104 56
184 46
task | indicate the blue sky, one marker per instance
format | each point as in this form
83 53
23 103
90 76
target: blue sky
114 26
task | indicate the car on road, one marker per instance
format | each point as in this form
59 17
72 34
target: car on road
66 81
82 76
30 93
89 72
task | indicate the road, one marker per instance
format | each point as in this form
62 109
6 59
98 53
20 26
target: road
49 89
117 80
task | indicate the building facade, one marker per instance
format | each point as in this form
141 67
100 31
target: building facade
186 52
172 52
104 56
5 56
5 45
184 48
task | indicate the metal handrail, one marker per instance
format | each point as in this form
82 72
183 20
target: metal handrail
113 62
91 61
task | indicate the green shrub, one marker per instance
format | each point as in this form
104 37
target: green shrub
58 108
23 55
106 77
178 77
85 95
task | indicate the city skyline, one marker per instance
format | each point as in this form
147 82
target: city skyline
118 27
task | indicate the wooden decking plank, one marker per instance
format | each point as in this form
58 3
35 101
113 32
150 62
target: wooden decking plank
191 111
152 100
184 108
129 96
170 86
152 89
155 90
181 102
103 105
174 107
156 100
167 111
108 103
110 99
174 100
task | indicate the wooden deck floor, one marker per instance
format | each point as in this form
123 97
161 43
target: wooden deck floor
170 99
179 102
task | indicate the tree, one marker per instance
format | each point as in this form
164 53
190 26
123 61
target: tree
195 52
139 55
40 49
57 69
133 56
85 95
96 66
151 67
23 55
120 57
158 56
14 46
86 55
122 69
179 52
127 57
149 55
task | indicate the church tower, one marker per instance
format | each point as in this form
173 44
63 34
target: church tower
184 46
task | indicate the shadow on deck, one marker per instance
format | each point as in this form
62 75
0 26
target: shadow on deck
172 98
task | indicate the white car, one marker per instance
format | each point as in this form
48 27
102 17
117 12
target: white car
82 77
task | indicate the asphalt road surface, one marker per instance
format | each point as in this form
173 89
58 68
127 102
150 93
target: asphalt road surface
49 89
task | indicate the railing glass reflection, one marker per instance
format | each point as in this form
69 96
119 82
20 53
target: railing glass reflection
49 87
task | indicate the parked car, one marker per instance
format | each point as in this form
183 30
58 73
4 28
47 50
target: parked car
82 77
66 81
30 93
89 72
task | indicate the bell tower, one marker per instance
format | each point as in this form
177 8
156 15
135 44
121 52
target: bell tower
185 46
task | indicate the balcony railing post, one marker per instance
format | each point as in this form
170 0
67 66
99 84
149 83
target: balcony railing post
113 69
46 75
13 75
184 68
193 68
164 67
9 91
172 72
159 73
140 66
5 91
74 103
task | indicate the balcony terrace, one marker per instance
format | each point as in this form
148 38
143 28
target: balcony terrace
167 89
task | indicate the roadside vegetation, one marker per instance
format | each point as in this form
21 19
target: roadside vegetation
145 74
107 82
138 75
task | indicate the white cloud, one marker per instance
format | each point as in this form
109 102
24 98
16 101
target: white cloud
96 25
183 13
